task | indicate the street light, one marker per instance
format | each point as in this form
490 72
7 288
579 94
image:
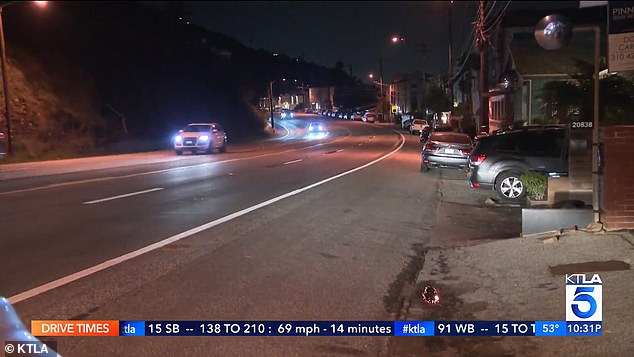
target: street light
5 81
397 38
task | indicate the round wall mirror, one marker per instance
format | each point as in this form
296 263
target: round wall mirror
553 32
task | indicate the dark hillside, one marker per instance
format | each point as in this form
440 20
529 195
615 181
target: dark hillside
89 75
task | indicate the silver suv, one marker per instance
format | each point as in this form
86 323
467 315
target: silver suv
200 137
498 160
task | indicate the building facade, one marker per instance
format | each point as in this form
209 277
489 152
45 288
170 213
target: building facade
407 93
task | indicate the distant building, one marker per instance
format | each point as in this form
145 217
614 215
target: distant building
407 92
321 97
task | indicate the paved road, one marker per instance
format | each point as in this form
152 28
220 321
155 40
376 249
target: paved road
338 223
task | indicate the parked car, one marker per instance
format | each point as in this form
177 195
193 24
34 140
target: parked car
200 137
369 117
286 114
442 128
418 125
498 160
357 116
445 149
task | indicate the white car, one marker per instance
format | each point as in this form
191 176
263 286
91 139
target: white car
369 117
200 137
286 114
418 125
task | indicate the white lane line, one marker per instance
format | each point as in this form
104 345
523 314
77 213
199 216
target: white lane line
122 196
292 162
118 260
108 178
288 132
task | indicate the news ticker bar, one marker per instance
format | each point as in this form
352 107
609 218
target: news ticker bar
53 328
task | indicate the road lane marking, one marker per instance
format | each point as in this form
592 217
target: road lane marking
109 178
122 196
333 151
288 132
292 162
118 260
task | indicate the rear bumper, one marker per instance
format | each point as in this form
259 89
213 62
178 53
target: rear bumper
445 161
473 181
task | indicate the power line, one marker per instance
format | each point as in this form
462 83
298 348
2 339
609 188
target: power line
491 7
498 18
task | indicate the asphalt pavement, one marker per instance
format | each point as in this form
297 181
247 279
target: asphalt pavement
340 228
484 271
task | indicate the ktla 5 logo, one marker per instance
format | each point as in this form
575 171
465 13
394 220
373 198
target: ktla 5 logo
584 297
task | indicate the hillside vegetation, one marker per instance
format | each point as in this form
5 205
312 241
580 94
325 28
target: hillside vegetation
93 77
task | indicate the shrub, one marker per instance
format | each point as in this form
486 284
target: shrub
535 184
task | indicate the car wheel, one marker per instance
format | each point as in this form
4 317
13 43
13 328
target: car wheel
509 186
178 152
424 168
223 148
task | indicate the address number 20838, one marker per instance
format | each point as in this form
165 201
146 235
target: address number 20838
581 124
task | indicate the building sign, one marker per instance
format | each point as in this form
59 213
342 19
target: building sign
621 36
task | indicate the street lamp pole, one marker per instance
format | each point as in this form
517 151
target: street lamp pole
382 101
271 104
450 77
5 87
5 76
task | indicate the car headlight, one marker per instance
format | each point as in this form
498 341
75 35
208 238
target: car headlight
178 139
203 138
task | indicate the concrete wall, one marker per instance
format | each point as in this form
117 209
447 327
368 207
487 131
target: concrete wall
618 177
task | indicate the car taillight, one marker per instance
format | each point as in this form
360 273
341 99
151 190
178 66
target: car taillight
429 147
466 151
477 159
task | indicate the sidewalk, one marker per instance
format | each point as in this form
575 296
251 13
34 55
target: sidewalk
523 279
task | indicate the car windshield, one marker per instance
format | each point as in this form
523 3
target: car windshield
419 121
196 128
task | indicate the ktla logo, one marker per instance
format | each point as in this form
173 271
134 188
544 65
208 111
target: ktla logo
584 297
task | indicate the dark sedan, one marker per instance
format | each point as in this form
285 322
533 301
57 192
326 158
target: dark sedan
446 149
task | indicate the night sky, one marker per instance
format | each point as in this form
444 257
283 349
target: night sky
355 32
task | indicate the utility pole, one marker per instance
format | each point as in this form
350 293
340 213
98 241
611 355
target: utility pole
450 77
381 84
271 104
5 87
484 70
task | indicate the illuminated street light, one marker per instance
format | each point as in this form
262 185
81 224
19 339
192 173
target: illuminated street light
371 75
5 81
397 38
